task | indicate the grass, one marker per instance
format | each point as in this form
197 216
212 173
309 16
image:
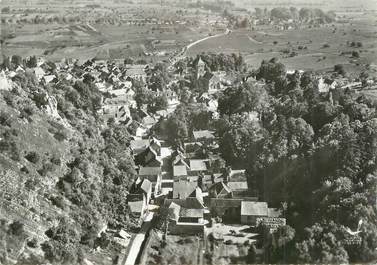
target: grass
266 42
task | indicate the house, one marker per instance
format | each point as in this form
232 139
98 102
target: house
39 72
137 72
325 85
185 221
148 158
155 145
200 68
153 174
195 150
137 146
48 79
198 165
185 189
5 84
220 190
179 159
250 211
139 197
179 171
149 121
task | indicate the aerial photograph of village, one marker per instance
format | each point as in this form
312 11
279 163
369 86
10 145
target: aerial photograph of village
188 132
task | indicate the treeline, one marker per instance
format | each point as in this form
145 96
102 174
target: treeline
303 14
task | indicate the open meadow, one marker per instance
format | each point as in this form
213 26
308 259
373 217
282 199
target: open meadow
315 49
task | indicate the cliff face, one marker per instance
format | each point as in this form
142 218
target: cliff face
58 162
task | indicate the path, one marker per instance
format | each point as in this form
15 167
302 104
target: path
182 53
254 40
137 242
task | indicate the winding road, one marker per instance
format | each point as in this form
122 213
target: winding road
182 54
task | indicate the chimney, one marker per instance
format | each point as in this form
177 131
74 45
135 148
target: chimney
213 178
226 175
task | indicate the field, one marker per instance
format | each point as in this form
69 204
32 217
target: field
114 32
313 48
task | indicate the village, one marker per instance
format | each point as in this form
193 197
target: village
184 189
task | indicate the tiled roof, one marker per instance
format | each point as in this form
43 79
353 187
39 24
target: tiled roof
205 134
238 185
136 207
184 212
198 165
254 208
149 171
183 189
179 171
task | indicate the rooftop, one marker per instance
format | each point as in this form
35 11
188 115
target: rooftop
149 171
205 134
254 208
136 207
179 171
238 185
198 165
183 189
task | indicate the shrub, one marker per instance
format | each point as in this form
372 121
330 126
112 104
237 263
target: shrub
16 228
355 54
55 159
5 119
61 135
339 68
33 157
40 99
47 167
32 243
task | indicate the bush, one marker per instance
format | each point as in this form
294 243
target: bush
61 135
55 159
40 99
339 68
355 54
5 119
33 243
47 167
33 157
16 228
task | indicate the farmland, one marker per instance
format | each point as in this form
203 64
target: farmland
114 32
307 49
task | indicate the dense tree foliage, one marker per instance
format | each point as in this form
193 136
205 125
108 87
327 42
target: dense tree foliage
316 152
85 172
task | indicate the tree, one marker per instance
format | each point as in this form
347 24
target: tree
339 68
281 13
243 98
321 245
128 60
33 157
355 54
271 71
32 62
16 228
17 60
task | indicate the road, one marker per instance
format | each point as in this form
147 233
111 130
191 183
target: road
138 240
182 54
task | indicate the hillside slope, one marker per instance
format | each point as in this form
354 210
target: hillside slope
64 175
